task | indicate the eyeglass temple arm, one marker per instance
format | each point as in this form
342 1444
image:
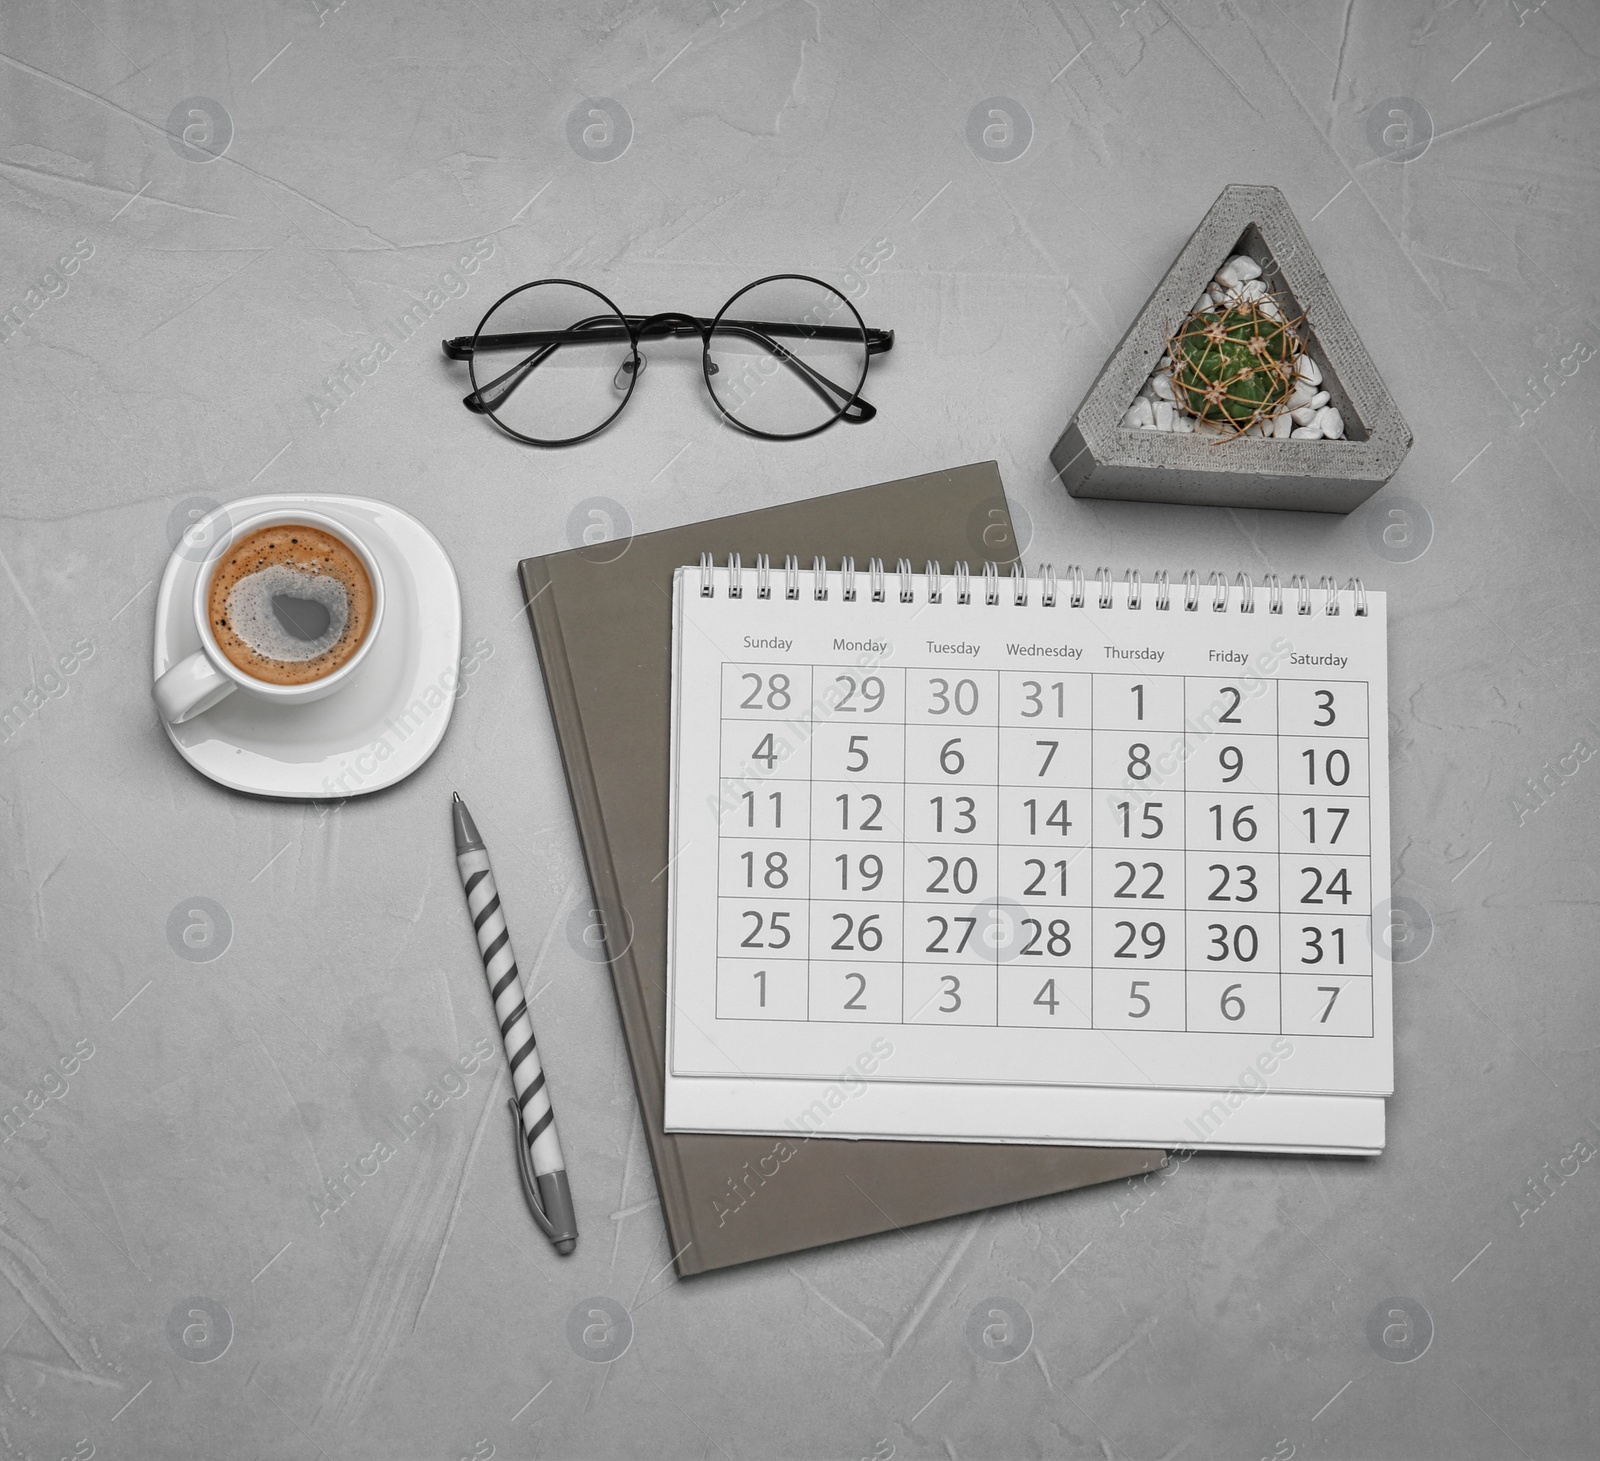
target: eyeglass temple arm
462 346
856 409
494 393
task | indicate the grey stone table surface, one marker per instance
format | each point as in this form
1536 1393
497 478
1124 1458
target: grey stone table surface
210 211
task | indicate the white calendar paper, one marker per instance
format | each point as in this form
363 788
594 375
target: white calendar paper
1010 869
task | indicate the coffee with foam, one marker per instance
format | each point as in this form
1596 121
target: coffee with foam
290 604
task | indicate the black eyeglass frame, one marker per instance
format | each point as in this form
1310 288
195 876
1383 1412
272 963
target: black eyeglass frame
850 407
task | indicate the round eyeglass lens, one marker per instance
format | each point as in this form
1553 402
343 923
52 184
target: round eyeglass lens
553 362
786 356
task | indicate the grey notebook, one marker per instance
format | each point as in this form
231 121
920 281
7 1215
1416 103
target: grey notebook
602 620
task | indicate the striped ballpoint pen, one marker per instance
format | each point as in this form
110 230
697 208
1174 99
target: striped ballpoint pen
533 1120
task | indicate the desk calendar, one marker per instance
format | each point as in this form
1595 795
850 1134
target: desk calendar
1003 844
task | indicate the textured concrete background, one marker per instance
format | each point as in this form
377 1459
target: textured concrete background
169 1289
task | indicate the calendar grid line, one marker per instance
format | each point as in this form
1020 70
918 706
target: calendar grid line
1093 947
994 949
810 831
905 902
1277 737
1183 802
811 700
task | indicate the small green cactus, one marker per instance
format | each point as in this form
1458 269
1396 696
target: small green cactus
1235 366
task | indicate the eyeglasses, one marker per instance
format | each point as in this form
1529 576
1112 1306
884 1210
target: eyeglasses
786 357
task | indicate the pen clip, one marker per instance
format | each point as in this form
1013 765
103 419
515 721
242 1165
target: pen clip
530 1188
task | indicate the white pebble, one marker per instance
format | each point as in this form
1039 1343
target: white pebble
1163 415
1304 416
1330 422
1165 363
1320 399
1282 426
1255 289
1299 396
1270 309
1306 433
1161 383
1204 302
1241 267
1307 369
1180 422
1139 413
1208 428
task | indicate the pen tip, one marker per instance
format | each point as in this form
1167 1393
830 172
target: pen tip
466 830
565 1245
455 796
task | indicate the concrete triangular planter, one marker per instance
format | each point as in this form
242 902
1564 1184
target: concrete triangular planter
1097 456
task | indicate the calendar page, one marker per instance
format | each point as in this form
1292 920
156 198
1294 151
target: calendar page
1018 842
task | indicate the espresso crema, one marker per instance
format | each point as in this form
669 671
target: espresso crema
290 604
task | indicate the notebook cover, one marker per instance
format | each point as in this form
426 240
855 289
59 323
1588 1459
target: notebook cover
602 621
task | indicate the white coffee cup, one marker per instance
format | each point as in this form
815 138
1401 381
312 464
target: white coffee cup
207 677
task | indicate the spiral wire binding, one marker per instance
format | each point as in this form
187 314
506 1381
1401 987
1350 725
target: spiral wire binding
1133 585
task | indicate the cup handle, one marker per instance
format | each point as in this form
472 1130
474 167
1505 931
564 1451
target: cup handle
191 687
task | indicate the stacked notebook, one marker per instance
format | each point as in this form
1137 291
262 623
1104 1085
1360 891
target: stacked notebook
935 884
603 622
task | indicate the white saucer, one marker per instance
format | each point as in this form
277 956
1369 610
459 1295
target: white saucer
380 727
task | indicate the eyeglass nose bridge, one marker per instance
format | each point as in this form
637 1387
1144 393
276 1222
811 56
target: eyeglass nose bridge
680 326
